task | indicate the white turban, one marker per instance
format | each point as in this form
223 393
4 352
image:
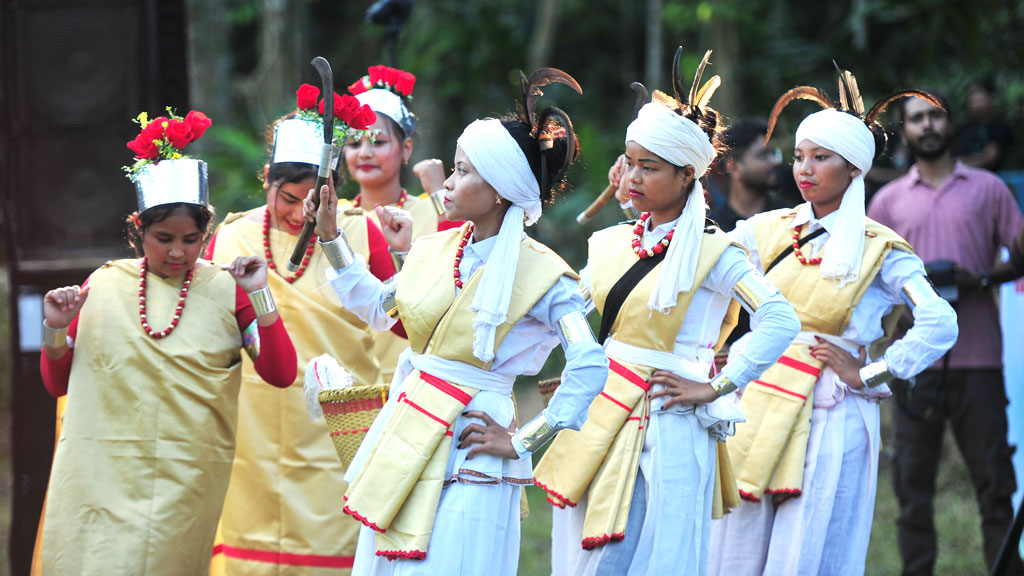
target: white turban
681 142
848 136
502 164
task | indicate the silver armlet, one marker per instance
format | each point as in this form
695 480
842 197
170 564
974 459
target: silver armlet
876 374
722 384
918 289
251 340
752 290
399 258
262 301
437 199
584 293
573 328
54 337
390 302
338 252
536 433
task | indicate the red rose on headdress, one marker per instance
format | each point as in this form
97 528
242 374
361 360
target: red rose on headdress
197 123
346 107
144 147
306 96
363 119
320 108
391 76
156 128
377 73
359 86
405 83
179 134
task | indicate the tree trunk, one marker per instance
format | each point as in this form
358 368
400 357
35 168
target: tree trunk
543 35
653 54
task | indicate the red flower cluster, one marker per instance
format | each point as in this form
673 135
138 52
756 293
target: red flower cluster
178 132
346 107
398 81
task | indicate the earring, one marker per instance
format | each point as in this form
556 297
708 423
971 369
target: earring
497 200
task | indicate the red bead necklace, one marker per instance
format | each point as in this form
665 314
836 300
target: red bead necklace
177 310
638 235
400 204
270 258
799 255
458 253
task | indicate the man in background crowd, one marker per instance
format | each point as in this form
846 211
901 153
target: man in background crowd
957 218
752 174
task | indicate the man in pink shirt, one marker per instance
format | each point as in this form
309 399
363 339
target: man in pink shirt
951 212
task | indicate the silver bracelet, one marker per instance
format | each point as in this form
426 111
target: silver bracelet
55 337
876 374
437 199
536 433
399 258
262 301
722 384
338 252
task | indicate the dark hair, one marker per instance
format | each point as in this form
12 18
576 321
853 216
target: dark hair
394 129
137 224
934 94
546 154
741 135
986 83
290 172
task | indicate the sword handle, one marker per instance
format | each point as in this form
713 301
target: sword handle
307 230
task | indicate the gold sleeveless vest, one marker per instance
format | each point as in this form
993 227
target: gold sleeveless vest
397 490
769 449
602 459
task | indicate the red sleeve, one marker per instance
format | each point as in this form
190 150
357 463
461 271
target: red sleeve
443 225
57 373
277 363
380 262
208 255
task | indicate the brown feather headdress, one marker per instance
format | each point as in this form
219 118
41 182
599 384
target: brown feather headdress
693 104
553 123
850 101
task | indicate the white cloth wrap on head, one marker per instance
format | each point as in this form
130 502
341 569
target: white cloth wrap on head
680 142
389 104
502 164
298 140
848 136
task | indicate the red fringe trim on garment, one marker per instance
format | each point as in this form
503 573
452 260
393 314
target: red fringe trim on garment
591 543
362 519
781 495
402 554
749 497
565 501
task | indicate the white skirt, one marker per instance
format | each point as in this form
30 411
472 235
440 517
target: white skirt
670 515
827 528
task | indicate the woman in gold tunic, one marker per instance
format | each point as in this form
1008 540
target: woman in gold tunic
276 519
148 352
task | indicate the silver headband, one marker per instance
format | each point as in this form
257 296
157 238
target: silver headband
172 181
391 105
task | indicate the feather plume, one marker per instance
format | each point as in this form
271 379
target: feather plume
677 83
879 106
692 100
798 93
706 91
849 94
532 89
665 100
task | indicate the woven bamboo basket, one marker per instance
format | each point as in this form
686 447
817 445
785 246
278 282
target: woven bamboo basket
547 389
349 413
